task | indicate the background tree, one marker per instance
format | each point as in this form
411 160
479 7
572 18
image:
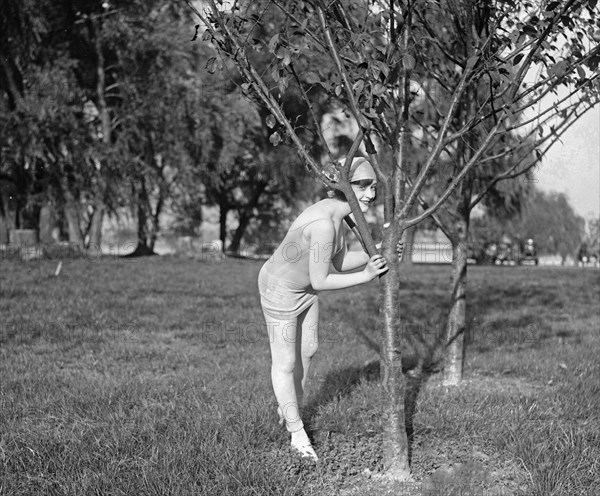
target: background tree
52 84
550 220
522 140
591 242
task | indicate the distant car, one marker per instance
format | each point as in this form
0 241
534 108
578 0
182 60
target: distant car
529 253
505 254
490 252
585 258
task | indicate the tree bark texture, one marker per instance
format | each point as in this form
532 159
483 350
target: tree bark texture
456 327
395 440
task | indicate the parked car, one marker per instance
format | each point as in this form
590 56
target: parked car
505 254
529 253
586 258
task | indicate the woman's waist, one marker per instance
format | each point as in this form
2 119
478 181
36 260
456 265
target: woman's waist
274 277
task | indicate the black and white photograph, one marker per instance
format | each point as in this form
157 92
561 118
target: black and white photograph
300 248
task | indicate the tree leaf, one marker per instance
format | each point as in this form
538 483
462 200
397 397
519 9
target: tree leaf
518 58
378 89
283 84
210 64
358 86
275 139
408 61
273 42
284 54
271 121
312 78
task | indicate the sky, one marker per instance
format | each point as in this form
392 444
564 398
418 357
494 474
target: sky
573 165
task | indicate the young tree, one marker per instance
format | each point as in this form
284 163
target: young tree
371 49
526 135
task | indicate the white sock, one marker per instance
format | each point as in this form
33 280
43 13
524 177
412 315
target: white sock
300 438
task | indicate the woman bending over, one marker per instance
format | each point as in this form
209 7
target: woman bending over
311 258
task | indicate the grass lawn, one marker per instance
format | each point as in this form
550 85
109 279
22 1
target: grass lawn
151 376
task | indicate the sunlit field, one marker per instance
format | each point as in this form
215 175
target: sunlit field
150 376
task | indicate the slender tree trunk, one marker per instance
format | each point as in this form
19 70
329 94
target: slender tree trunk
106 126
95 237
154 224
72 216
409 244
71 210
245 215
223 211
456 327
395 440
244 220
145 246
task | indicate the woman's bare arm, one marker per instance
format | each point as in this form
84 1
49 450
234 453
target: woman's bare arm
322 246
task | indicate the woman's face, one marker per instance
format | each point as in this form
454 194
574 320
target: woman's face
364 185
365 191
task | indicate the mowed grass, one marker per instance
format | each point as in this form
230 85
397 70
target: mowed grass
151 376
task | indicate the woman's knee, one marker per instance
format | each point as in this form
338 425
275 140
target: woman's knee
284 362
309 348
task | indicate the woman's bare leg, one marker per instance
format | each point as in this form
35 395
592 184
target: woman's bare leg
282 340
306 347
291 353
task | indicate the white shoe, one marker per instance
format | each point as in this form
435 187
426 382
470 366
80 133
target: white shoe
302 445
306 451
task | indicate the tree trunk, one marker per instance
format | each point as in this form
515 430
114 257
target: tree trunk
456 327
223 211
145 246
72 216
95 237
245 215
409 244
395 440
106 126
455 330
154 228
71 210
244 220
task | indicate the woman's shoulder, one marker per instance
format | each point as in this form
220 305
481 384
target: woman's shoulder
319 211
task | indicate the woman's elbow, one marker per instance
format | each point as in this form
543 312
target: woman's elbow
317 284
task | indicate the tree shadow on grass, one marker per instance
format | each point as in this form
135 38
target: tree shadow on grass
340 383
422 361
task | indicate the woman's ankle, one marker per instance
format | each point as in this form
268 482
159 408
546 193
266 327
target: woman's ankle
293 427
